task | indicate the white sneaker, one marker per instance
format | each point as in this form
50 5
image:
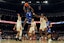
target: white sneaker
49 41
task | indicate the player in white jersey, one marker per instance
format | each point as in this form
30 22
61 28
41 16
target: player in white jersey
18 27
43 25
32 29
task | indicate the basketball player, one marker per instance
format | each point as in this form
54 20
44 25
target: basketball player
49 25
43 26
32 29
18 27
49 31
28 11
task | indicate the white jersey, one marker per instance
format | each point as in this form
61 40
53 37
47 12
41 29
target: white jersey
32 28
42 23
18 25
33 24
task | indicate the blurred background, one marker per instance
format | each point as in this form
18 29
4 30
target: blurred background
53 9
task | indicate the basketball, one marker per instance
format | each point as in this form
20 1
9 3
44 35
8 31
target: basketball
26 4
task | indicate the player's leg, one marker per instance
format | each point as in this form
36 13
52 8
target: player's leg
29 31
45 31
40 31
24 22
49 35
49 38
33 34
30 35
43 34
20 35
17 35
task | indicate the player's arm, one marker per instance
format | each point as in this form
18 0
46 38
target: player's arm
14 27
24 22
31 8
45 18
36 15
24 9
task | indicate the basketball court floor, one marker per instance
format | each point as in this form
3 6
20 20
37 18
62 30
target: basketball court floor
28 41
